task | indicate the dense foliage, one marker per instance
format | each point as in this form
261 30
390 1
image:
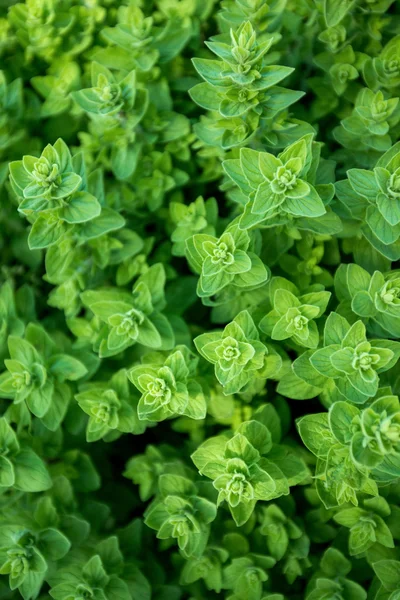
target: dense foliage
200 299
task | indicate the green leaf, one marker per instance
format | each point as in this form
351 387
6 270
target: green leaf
81 207
94 572
240 447
109 220
124 159
341 417
53 544
67 367
258 435
364 183
334 563
30 472
117 589
46 231
7 477
363 305
315 433
242 512
327 360
335 330
309 205
206 96
388 573
249 161
209 70
22 351
209 454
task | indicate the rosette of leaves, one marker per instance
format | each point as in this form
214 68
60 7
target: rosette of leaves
74 259
354 448
116 104
20 467
131 40
283 130
179 513
338 478
305 267
383 71
347 367
242 474
198 217
284 190
369 126
28 548
262 16
232 300
240 87
245 576
132 318
107 96
90 580
279 530
169 387
157 174
180 22
292 315
55 88
296 562
373 433
367 525
59 509
45 180
335 10
36 376
238 354
75 252
373 197
111 408
135 263
42 30
331 579
207 567
342 67
225 261
54 194
375 298
318 519
283 534
334 37
78 469
144 469
140 39
121 554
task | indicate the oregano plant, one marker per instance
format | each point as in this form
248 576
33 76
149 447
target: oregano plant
200 300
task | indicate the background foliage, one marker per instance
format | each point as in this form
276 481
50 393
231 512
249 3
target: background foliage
199 299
